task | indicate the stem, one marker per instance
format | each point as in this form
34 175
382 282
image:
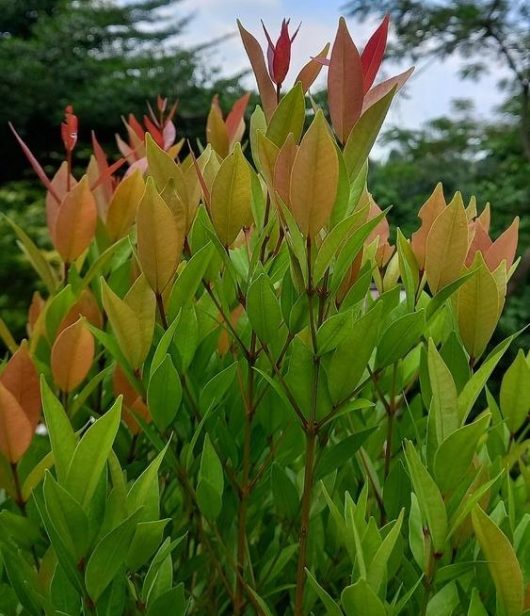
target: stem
246 486
18 489
226 320
304 520
388 448
161 310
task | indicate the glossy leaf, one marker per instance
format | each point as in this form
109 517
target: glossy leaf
314 178
345 83
502 562
231 194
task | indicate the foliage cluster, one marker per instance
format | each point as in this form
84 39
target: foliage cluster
252 401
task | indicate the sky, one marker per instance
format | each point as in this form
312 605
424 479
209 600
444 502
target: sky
428 94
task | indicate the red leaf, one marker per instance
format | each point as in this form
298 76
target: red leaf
265 86
202 182
103 166
382 89
69 129
312 69
35 165
372 55
345 83
155 131
236 115
108 173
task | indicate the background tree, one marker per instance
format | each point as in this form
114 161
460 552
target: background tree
491 160
107 59
482 32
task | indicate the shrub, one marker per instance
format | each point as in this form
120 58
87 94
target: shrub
252 402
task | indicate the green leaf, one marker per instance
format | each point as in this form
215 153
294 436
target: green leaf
364 133
60 431
359 598
164 393
333 457
171 602
90 456
263 309
332 332
190 278
108 557
68 517
429 498
35 256
400 337
476 383
443 411
211 481
502 562
145 542
377 569
284 492
351 249
213 392
334 241
145 491
455 454
408 267
515 392
103 260
332 609
444 294
349 361
288 117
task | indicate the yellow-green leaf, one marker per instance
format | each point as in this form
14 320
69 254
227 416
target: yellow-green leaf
314 178
123 205
478 308
515 392
160 239
231 195
288 117
132 319
502 562
447 245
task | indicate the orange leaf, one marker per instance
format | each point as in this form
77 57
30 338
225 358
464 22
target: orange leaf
314 178
75 225
16 431
447 245
382 89
123 206
428 213
504 247
480 241
35 309
21 379
311 70
266 88
283 168
86 306
236 117
60 185
216 130
133 403
485 218
72 356
345 83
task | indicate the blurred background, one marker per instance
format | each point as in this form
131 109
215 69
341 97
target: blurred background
463 119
